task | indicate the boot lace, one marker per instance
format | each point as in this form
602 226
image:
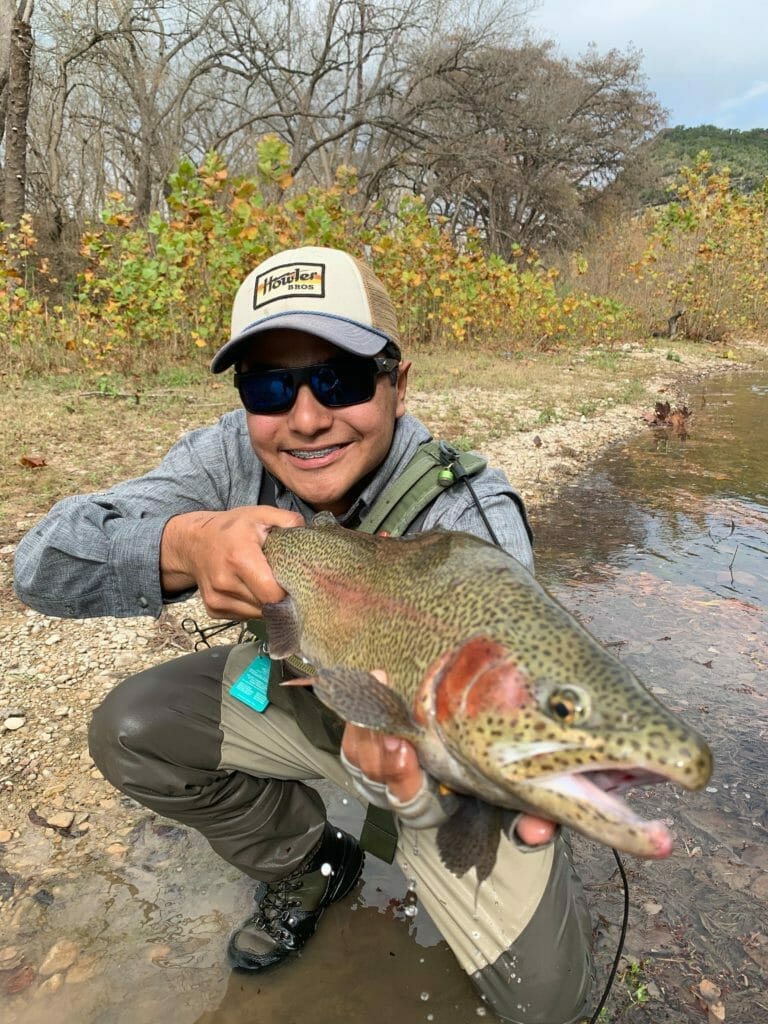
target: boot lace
276 902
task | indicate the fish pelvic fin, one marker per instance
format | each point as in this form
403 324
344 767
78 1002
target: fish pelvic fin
470 838
360 698
283 631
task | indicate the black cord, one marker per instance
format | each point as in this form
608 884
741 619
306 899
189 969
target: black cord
620 948
461 474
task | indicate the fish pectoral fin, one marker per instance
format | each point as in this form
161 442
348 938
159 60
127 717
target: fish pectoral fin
325 520
283 632
470 838
360 698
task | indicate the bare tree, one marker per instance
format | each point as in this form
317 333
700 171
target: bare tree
335 78
16 114
522 142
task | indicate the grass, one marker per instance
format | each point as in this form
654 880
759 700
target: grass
93 429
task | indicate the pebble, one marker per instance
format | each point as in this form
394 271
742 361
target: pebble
5 835
62 819
60 956
10 957
13 723
52 984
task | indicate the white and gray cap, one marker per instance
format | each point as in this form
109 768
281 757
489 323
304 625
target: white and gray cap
326 292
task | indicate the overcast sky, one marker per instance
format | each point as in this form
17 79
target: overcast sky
707 62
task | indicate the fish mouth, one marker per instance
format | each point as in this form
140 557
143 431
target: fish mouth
589 801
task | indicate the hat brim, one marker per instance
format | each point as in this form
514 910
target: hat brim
350 335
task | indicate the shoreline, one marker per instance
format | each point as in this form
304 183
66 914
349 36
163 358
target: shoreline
538 459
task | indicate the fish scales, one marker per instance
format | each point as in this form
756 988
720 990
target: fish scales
505 695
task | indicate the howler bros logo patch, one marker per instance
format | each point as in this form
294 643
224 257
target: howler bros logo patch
289 281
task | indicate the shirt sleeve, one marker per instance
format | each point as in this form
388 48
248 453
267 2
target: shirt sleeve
99 554
501 505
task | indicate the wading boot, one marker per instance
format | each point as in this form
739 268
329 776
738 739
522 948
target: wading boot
288 910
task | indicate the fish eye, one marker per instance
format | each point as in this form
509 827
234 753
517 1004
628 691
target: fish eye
567 706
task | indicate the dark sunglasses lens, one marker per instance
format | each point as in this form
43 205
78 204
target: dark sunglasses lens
334 384
344 384
273 391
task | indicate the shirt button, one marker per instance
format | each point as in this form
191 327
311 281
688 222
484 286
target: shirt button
143 602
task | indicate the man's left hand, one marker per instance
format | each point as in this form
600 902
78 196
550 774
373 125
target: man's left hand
392 762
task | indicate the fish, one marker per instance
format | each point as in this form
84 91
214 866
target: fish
511 704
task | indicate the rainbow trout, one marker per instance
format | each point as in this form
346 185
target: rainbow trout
507 699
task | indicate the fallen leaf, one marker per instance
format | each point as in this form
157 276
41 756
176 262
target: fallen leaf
32 461
715 1013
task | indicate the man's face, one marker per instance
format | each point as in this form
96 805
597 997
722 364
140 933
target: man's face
322 455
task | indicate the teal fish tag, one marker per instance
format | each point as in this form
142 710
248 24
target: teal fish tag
250 687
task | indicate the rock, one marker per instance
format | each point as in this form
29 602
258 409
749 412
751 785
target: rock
710 992
60 956
52 984
84 970
10 958
13 723
5 835
20 979
61 819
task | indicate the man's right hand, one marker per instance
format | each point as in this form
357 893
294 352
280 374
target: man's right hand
221 554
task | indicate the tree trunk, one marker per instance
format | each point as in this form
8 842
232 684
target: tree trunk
20 69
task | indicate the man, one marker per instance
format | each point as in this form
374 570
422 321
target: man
314 343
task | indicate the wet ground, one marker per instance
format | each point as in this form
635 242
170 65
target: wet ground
661 550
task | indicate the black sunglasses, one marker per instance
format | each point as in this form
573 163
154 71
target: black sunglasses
349 380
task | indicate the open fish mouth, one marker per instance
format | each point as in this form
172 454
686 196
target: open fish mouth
599 811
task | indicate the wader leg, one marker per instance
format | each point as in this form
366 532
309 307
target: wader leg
158 738
524 937
175 740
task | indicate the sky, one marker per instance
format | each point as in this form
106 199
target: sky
707 62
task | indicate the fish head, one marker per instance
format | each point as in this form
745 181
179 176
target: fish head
561 744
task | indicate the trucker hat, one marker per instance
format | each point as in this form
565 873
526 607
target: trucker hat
326 292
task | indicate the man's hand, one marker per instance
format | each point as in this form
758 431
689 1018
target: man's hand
221 554
392 762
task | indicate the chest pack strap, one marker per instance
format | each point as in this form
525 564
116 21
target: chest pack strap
435 467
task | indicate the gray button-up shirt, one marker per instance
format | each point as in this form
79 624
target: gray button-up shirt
99 554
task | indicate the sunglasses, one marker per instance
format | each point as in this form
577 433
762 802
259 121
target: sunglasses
349 380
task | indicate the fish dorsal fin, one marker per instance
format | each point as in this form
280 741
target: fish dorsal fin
324 521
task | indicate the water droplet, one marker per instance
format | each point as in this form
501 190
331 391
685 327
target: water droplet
326 869
344 800
430 1016
475 935
411 910
421 959
481 1011
412 885
339 835
424 996
711 789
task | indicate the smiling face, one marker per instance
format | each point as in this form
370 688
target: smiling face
322 455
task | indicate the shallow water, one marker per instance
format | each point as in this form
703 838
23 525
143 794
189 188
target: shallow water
661 550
